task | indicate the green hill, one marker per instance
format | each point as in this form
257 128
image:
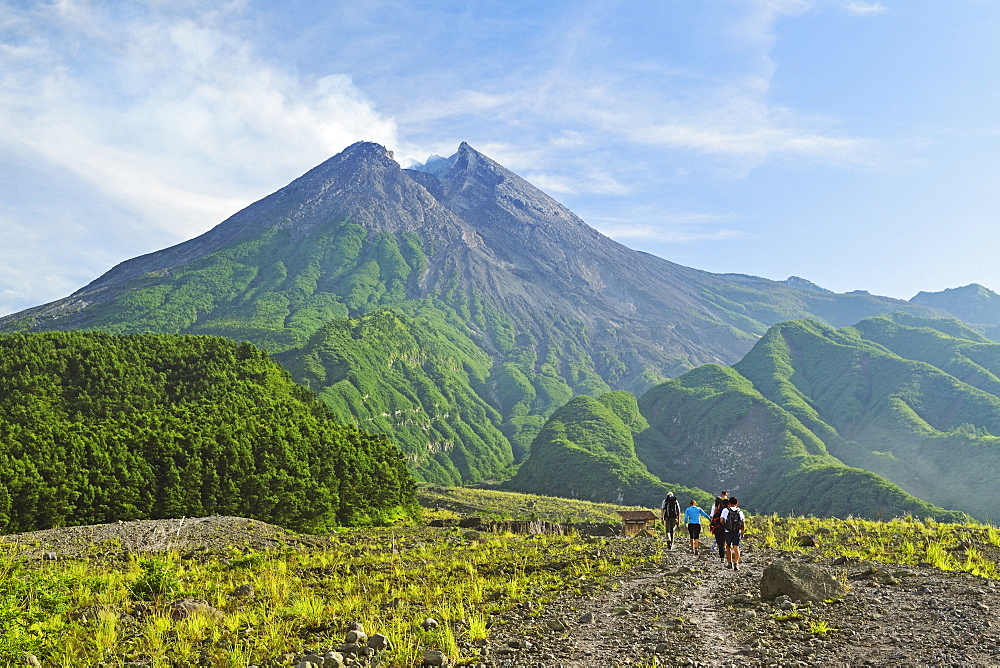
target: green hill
97 428
883 404
586 451
712 428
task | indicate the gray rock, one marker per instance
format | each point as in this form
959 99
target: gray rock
435 657
187 607
349 648
243 591
798 581
335 659
429 624
587 618
379 642
557 624
356 638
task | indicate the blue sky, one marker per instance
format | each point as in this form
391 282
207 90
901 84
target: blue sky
854 143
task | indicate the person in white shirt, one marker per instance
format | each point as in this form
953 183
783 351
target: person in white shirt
734 532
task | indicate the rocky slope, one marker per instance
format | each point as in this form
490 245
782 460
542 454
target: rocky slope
690 611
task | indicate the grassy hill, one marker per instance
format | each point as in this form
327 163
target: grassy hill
586 451
881 403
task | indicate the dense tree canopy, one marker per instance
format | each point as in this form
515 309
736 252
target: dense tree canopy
96 428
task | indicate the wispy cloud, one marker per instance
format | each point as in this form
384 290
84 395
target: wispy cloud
640 232
168 115
865 8
645 225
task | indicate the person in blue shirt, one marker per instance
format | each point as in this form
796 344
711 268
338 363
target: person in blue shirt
693 520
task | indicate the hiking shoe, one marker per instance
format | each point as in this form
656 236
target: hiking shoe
736 567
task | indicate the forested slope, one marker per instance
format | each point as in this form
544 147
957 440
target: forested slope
96 428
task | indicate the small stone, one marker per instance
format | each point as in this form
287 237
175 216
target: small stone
187 607
48 556
335 659
430 624
379 642
557 624
243 591
349 648
356 638
435 657
587 618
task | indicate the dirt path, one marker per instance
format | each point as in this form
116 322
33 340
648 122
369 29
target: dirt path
673 610
688 610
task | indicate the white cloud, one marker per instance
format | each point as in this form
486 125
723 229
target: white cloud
760 141
169 116
655 233
865 8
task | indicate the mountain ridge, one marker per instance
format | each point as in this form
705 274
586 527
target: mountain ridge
542 306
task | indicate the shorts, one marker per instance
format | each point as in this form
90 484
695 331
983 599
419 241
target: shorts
694 530
733 538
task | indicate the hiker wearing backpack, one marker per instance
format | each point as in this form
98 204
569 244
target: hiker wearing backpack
733 521
692 517
715 525
670 513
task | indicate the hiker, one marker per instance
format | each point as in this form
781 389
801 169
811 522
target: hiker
693 520
733 521
715 525
670 513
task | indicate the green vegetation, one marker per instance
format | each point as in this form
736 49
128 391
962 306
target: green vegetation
97 428
718 427
390 580
110 607
901 541
414 378
912 400
443 374
586 451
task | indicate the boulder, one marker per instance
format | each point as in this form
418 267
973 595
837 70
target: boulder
187 607
798 581
435 657
808 540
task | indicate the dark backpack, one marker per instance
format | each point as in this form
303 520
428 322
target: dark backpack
715 523
734 521
673 508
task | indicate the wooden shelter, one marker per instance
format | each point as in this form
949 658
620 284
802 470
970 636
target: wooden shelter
637 521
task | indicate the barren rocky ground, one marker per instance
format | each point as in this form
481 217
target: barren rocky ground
205 534
684 609
690 610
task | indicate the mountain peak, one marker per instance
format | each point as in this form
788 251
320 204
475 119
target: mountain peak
367 148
